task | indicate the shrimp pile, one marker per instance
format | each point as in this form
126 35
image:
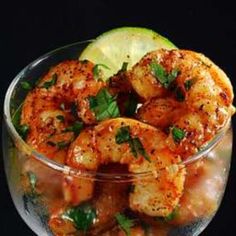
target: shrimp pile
77 119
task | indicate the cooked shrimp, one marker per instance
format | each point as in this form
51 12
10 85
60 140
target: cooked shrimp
157 196
199 95
47 109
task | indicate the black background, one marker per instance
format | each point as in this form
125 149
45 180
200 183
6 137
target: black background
28 30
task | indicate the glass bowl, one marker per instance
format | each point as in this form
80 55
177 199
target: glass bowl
39 186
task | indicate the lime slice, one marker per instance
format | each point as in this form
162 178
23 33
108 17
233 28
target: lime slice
126 44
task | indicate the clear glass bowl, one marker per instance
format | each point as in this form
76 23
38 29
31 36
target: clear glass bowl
36 183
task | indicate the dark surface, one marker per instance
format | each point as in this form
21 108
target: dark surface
29 30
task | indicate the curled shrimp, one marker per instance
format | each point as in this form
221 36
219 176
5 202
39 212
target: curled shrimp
186 90
155 196
48 109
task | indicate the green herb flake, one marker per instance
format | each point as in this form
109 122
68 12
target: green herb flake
51 82
97 72
136 147
23 130
60 145
125 223
179 94
124 67
82 216
60 118
162 76
26 85
131 105
188 84
169 217
73 110
177 134
32 180
104 105
76 128
123 135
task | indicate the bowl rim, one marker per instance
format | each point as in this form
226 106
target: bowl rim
68 170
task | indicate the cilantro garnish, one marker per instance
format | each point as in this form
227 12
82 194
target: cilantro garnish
76 128
136 147
123 135
188 84
97 73
124 222
60 118
130 105
60 145
104 105
177 134
124 67
26 85
82 216
179 94
162 76
169 217
51 82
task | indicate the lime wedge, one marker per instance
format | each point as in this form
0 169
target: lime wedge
126 44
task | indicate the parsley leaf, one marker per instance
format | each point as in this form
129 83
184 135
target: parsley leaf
26 85
23 131
76 128
32 180
123 135
61 118
188 84
162 76
130 105
97 73
51 82
104 105
177 134
169 217
60 145
124 67
179 94
124 222
82 216
136 147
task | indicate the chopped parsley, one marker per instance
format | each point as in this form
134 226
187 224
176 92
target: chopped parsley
26 85
136 147
124 67
177 134
82 216
32 180
51 82
23 130
60 118
97 73
188 84
131 105
162 76
179 93
125 223
60 145
73 110
76 128
123 135
169 217
104 105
